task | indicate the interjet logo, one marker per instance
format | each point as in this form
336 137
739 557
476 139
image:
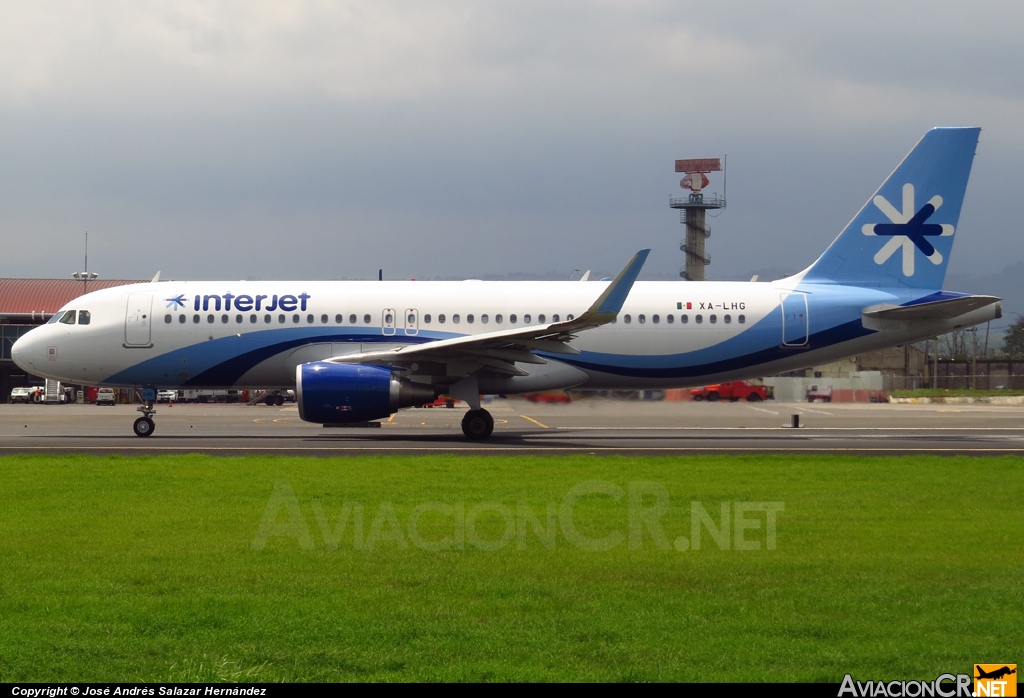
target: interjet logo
176 302
908 230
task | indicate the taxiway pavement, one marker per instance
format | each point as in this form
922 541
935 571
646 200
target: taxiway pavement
586 426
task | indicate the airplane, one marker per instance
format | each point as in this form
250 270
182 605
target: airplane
994 674
357 351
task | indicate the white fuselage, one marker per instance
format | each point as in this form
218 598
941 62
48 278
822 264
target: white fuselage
252 334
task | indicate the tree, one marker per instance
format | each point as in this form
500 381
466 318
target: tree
955 345
1013 339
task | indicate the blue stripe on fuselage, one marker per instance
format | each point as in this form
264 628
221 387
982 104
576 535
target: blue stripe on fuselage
834 314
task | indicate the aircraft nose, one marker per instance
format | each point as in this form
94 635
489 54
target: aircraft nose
23 353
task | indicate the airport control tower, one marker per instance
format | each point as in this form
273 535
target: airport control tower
693 213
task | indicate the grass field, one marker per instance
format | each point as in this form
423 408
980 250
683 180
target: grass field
202 568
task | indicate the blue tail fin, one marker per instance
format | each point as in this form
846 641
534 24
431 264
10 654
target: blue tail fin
904 234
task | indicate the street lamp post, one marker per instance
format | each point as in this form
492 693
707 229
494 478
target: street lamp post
84 276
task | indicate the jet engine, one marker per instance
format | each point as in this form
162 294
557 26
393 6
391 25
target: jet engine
329 393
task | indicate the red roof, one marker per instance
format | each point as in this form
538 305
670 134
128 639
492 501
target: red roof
46 295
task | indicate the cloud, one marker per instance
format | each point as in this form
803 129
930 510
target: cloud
466 137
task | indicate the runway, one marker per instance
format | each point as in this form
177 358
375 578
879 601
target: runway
586 426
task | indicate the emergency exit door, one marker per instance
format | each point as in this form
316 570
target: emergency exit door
138 320
794 319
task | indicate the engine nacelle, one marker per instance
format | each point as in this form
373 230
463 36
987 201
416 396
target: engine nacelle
329 393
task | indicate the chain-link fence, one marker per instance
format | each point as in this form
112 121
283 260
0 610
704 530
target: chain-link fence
958 376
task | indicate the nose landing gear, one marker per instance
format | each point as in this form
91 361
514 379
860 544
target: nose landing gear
144 425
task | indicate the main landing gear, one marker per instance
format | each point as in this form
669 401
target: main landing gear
144 425
477 425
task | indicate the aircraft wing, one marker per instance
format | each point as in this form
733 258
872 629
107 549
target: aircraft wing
501 350
936 310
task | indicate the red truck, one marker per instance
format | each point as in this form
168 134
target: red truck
737 390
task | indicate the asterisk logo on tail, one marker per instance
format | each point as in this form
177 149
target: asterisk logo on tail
908 230
176 302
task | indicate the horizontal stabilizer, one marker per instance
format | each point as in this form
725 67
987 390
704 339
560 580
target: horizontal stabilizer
935 310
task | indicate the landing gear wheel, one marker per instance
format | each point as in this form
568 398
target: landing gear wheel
143 426
477 425
268 401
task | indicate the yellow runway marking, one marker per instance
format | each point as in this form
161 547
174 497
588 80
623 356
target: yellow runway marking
391 417
543 426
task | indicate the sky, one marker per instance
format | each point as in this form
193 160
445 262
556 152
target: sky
325 140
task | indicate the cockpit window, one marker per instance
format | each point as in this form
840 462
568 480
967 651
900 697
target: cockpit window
84 316
54 318
69 317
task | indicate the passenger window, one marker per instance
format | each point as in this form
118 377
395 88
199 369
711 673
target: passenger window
84 316
455 318
627 319
281 319
670 319
195 319
224 318
542 318
655 319
684 319
526 319
210 318
570 316
181 319
367 319
469 318
252 318
483 319
323 319
426 318
167 318
512 318
699 319
309 319
339 318
440 318
713 319
742 319
641 319
388 319
239 319
69 317
554 318
728 319
497 318
266 318
352 319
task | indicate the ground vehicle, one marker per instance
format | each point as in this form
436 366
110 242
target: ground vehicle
737 390
105 396
441 401
552 396
166 395
23 395
823 393
207 396
278 397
